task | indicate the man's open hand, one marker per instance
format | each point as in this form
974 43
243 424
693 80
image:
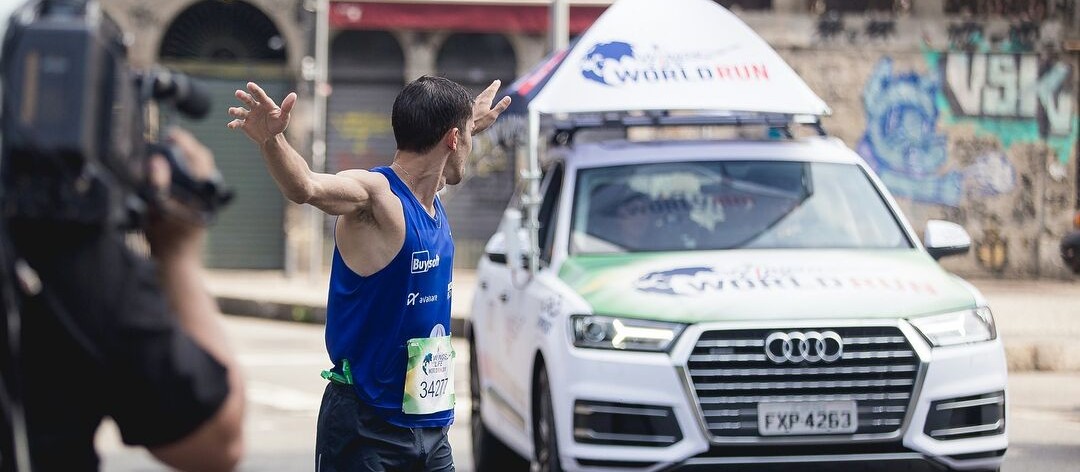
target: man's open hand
483 114
261 118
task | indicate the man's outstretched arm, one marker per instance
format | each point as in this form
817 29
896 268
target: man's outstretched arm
336 194
265 122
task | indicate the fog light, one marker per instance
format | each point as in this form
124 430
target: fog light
966 417
624 424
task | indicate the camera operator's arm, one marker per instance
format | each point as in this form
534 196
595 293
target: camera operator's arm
264 122
177 245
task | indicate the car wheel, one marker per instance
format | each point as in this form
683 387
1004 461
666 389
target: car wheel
545 442
489 453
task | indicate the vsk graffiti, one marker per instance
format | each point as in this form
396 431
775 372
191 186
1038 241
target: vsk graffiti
974 135
1011 98
1010 86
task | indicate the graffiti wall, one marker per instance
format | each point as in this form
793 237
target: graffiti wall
984 139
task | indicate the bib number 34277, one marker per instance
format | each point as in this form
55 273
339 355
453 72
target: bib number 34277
429 380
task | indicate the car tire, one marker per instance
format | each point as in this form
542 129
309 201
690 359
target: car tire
489 453
545 441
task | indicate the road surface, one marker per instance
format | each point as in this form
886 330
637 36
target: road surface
282 362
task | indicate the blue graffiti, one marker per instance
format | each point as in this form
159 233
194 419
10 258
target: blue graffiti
902 142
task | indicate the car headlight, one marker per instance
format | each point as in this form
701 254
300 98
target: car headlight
607 332
961 327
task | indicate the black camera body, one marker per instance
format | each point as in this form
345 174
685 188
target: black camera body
74 145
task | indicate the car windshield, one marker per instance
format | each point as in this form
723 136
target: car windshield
727 205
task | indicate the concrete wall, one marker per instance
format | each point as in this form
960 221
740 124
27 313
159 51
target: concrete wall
968 120
962 122
979 132
1011 188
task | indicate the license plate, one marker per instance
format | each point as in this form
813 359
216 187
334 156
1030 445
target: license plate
798 418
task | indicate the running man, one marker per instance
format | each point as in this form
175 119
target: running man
390 399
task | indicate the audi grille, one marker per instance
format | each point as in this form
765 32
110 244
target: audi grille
731 371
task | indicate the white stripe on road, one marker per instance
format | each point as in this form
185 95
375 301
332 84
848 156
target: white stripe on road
282 398
275 359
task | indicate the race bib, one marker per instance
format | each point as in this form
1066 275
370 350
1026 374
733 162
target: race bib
429 378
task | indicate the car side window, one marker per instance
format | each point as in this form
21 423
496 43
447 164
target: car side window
548 210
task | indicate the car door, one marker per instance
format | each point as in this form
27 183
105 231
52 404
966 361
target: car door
489 326
519 315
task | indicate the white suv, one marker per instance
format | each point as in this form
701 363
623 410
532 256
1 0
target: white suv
741 304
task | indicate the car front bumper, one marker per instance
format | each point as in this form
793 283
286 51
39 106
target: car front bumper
662 427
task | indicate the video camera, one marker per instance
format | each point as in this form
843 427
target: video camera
74 122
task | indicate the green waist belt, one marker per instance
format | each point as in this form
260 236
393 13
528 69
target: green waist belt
344 378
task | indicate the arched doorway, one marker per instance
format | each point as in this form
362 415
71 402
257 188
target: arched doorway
475 207
366 72
226 44
223 31
475 59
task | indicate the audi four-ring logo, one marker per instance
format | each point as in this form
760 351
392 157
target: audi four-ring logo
810 346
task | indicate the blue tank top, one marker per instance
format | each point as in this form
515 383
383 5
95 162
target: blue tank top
370 319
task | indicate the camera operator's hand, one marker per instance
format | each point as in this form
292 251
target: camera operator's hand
260 118
176 242
168 233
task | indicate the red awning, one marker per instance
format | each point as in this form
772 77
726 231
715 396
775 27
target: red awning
459 17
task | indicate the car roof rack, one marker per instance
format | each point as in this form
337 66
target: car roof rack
566 127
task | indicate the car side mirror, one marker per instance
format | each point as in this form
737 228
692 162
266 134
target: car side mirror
506 245
944 238
495 250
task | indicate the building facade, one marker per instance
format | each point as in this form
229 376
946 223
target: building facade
967 108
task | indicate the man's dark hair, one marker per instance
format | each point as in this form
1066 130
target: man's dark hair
426 109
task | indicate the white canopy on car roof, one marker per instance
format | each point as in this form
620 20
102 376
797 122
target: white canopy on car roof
644 55
652 55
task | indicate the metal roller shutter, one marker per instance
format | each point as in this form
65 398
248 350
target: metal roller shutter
358 130
249 233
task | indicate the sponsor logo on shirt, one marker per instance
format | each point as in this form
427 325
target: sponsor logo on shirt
422 262
415 299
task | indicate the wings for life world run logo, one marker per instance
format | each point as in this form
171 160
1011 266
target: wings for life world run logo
703 280
618 63
436 363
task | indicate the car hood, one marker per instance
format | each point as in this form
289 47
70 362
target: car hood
732 285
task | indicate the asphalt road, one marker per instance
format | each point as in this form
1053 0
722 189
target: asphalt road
282 362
